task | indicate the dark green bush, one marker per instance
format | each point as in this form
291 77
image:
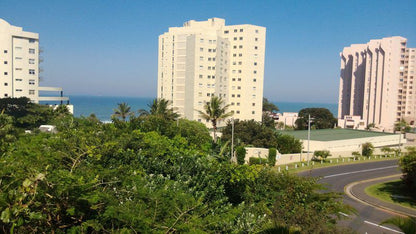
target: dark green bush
255 160
241 154
272 156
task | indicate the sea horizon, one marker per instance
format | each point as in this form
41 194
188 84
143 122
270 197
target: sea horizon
103 106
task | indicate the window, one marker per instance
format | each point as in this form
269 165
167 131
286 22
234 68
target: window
6 95
5 73
239 55
239 63
18 69
5 62
5 51
235 30
238 103
19 79
241 30
233 79
253 104
19 90
241 38
200 59
32 71
255 47
240 46
31 82
31 92
238 95
256 39
255 72
18 47
6 84
31 61
235 38
239 79
255 63
238 87
201 40
257 31
18 58
31 51
254 80
238 112
31 40
232 95
201 76
226 32
201 49
253 112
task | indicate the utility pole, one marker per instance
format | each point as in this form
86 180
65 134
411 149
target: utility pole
309 134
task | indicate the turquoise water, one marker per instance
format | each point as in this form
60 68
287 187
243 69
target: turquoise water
103 106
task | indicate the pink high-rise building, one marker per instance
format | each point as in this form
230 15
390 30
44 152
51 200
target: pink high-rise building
376 85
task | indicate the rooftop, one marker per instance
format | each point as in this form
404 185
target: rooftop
334 134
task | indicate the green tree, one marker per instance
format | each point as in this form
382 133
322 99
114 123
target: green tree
268 121
214 111
241 154
402 126
287 144
272 157
406 224
367 149
123 111
321 118
250 132
408 166
269 106
160 107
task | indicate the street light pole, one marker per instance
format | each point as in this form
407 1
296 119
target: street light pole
309 134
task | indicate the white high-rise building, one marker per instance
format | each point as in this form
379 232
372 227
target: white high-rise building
206 58
19 65
377 84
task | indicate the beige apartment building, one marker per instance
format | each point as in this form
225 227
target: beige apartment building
376 84
207 58
19 65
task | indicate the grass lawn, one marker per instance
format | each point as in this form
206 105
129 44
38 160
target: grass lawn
392 192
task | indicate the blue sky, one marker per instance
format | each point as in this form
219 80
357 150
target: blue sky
110 47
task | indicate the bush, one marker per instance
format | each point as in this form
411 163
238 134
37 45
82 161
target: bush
241 154
356 154
287 144
321 154
367 149
255 160
272 156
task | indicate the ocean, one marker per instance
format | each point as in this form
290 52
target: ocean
103 106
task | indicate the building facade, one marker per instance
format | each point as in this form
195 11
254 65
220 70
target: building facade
19 65
376 84
207 58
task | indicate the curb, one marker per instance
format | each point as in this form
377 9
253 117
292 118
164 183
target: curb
349 193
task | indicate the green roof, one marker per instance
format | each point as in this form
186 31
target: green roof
334 134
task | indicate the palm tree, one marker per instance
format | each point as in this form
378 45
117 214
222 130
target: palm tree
407 225
160 107
123 111
214 111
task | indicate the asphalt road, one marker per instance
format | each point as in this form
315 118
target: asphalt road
368 218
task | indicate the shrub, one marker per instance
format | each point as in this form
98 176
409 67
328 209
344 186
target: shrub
255 160
356 154
321 154
272 156
241 154
367 149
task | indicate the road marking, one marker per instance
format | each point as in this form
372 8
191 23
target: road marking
380 226
354 172
343 214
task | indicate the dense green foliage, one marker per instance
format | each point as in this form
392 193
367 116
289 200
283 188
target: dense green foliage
402 126
367 149
287 144
408 167
321 118
215 110
240 151
321 154
252 133
272 156
257 161
146 174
